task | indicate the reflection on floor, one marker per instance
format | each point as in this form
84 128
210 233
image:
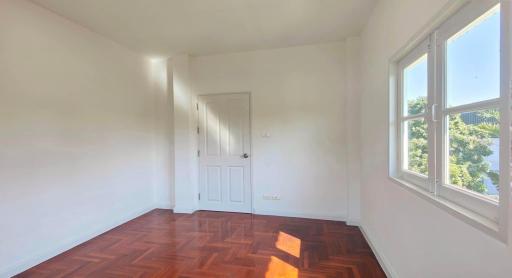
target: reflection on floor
217 244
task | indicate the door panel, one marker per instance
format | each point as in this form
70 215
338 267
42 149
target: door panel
213 182
213 128
235 127
224 138
236 184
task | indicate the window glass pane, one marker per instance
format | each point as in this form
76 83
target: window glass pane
415 146
474 151
415 86
473 61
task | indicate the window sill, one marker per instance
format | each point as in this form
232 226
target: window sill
477 221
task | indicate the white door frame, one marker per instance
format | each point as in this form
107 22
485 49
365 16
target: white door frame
251 190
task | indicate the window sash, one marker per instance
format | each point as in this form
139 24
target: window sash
404 173
470 200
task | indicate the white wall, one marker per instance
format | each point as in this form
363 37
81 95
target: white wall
353 122
163 150
414 237
185 138
298 98
79 135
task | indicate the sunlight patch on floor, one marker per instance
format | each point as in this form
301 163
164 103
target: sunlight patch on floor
280 269
288 244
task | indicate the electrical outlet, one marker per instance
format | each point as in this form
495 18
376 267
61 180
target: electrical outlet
271 197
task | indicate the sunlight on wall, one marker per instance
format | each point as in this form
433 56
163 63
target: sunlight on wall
279 269
288 244
157 69
182 97
182 91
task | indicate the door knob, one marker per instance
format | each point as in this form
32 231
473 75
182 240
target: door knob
245 155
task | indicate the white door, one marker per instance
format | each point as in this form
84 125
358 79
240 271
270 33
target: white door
224 153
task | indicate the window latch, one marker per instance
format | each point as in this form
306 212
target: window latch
433 114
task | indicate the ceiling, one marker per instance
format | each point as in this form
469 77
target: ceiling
201 27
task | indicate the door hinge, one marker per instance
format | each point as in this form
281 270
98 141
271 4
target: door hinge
197 106
198 153
197 130
199 196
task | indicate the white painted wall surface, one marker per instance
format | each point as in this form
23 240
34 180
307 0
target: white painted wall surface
414 237
163 150
297 98
78 135
352 119
185 137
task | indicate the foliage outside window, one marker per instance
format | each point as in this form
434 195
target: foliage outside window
471 139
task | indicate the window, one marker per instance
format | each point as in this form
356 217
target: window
414 87
451 138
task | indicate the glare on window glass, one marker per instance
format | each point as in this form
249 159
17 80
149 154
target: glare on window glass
415 86
473 61
416 152
474 140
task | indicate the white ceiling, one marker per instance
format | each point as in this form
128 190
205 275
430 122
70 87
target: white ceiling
199 27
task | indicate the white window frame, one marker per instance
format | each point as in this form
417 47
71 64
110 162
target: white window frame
484 213
410 176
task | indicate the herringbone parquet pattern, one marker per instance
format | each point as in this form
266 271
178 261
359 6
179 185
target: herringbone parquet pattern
217 244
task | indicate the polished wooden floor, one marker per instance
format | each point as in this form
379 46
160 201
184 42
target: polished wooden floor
218 244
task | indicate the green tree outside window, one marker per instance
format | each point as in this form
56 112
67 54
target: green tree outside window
470 144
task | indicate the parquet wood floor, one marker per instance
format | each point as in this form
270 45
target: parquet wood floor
218 244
